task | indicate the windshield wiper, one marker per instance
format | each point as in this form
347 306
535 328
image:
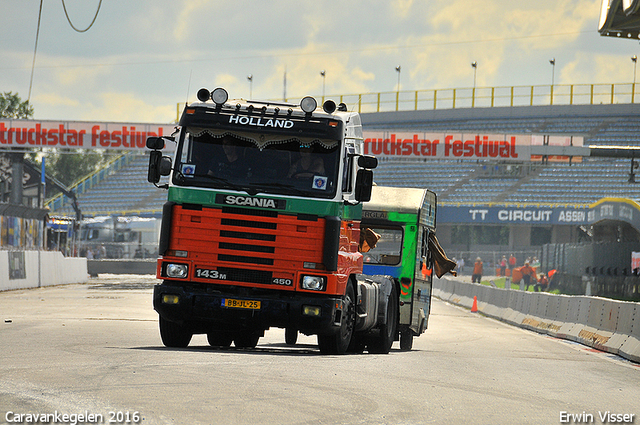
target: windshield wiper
225 182
291 188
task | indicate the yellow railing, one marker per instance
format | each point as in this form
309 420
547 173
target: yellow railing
481 97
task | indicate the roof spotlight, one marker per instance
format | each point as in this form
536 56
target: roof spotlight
203 95
308 104
329 106
219 96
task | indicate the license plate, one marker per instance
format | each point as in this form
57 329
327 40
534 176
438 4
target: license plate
232 303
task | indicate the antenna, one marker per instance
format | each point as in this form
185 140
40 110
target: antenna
188 87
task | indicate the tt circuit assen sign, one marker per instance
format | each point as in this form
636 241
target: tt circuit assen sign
78 135
474 146
513 215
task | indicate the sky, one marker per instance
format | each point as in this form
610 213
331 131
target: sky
140 58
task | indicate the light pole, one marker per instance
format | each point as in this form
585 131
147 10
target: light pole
398 68
634 59
474 65
324 77
553 76
250 78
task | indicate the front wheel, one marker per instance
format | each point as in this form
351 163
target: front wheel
219 339
290 336
247 339
339 342
174 334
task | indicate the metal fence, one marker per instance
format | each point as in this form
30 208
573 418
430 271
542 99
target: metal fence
479 97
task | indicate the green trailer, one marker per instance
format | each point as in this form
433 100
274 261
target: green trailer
405 220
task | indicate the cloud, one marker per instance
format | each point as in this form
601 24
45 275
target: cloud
149 50
126 107
55 100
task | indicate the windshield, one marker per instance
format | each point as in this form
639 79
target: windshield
258 163
388 249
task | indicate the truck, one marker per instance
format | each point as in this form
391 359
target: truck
113 236
405 220
262 228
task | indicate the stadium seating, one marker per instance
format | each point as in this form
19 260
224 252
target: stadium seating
583 181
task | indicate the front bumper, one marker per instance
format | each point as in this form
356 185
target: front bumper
201 307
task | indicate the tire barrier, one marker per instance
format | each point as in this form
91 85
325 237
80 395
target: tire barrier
607 325
33 269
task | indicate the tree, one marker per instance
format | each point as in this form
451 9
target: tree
11 106
70 166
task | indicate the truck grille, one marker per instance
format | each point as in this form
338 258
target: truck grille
245 275
267 240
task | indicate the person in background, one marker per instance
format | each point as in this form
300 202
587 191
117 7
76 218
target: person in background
542 284
477 271
527 274
512 263
503 266
460 263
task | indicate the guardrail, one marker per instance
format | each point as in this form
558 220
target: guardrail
480 97
605 324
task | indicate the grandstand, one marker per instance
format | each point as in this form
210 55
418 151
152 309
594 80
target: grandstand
120 189
125 191
581 181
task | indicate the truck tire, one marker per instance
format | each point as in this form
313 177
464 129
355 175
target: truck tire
174 334
339 342
290 336
219 339
382 343
247 339
406 340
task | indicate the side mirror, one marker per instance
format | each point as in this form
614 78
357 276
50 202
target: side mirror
155 157
367 161
165 166
364 183
158 166
155 143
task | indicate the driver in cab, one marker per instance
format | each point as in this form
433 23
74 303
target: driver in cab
307 166
231 163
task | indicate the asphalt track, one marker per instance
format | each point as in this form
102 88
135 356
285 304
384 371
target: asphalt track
94 349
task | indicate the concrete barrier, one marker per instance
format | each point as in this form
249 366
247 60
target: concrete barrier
608 325
122 266
34 269
630 348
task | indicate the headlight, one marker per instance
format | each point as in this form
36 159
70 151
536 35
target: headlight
314 283
179 271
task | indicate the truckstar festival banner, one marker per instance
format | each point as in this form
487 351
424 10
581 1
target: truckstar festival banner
386 144
78 135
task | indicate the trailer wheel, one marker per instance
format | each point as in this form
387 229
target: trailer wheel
382 343
290 336
219 339
174 334
406 340
246 339
339 342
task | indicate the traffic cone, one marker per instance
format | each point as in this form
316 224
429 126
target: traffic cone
474 307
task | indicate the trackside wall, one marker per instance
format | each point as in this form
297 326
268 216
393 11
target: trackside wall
608 325
40 268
